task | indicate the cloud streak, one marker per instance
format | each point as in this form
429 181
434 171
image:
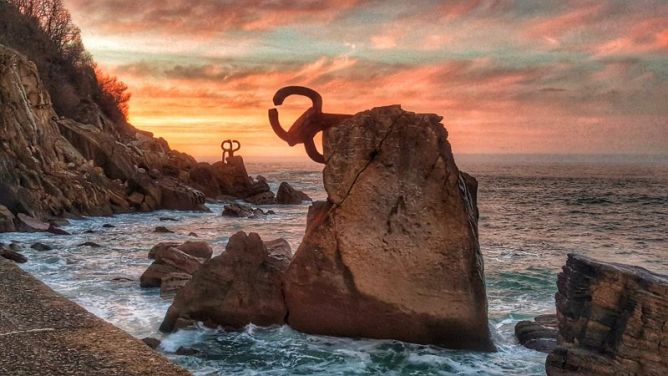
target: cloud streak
565 77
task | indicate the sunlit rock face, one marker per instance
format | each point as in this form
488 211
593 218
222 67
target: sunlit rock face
53 167
394 252
613 320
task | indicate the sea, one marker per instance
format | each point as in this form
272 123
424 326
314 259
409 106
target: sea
534 210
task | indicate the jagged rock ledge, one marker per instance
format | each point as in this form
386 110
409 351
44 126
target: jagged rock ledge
613 320
43 333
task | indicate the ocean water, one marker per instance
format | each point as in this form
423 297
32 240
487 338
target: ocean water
534 211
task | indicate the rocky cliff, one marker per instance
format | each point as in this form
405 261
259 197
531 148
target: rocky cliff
613 320
54 167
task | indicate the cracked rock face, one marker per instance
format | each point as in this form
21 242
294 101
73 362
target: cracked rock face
394 252
613 320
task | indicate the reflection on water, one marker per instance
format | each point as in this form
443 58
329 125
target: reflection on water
532 215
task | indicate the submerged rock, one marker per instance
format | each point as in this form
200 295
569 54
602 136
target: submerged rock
151 342
57 231
12 255
163 230
539 334
394 253
287 195
613 320
186 351
242 285
41 247
90 244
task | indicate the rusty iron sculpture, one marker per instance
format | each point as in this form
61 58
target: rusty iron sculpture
229 147
308 124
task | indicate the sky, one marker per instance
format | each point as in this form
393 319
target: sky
554 77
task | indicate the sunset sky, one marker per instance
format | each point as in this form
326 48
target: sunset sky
507 76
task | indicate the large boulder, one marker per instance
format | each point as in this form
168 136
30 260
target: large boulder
243 285
613 320
286 195
394 252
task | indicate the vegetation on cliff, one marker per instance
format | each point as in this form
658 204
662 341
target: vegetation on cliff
43 31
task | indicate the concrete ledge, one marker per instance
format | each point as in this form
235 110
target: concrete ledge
43 333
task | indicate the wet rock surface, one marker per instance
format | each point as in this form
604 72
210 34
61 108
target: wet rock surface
286 195
394 252
242 285
539 334
612 320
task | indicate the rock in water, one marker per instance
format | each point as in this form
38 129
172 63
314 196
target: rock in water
170 259
243 285
12 255
613 320
287 195
540 334
394 253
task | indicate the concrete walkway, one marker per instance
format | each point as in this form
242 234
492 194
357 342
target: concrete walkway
43 333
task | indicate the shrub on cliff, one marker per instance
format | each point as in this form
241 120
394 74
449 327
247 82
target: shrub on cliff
43 31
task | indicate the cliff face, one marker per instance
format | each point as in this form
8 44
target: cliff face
613 320
56 167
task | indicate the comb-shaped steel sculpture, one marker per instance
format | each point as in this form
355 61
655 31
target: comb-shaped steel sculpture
308 124
229 147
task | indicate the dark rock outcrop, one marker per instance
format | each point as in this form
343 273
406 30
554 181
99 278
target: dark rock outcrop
539 334
200 249
286 195
613 320
243 211
41 247
151 342
172 261
243 285
12 255
394 253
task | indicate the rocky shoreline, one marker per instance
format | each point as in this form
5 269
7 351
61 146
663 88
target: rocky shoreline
54 168
43 333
